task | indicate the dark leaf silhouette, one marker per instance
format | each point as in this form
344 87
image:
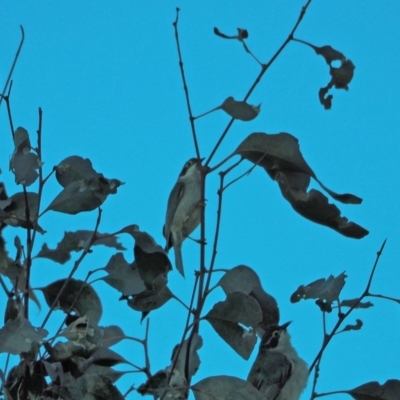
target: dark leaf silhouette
244 279
25 166
225 387
84 188
123 276
325 290
390 390
77 296
81 196
340 76
356 303
240 109
355 327
76 241
236 109
17 336
88 386
16 211
226 317
239 279
151 259
24 163
242 34
16 273
280 156
148 301
75 168
106 372
112 334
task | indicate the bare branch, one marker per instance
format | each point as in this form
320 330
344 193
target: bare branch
264 69
13 64
185 87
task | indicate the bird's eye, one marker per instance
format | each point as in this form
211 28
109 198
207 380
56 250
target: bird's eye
275 334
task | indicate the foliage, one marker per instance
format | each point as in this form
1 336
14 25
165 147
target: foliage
81 365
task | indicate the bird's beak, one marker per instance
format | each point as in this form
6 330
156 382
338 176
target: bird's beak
284 326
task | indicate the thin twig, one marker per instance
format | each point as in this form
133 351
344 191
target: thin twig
86 250
14 63
146 349
186 329
315 380
264 68
381 296
41 182
216 235
28 259
345 315
7 100
185 87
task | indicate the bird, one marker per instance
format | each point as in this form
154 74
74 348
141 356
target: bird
278 372
183 211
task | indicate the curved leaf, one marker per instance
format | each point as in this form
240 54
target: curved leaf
77 296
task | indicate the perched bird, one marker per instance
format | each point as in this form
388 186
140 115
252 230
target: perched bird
278 372
183 211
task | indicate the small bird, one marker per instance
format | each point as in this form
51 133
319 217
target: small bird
278 372
183 211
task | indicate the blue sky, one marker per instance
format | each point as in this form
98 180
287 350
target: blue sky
106 76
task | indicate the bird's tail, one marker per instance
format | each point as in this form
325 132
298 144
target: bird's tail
178 259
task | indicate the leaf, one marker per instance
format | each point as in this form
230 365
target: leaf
352 303
17 336
225 387
106 372
340 76
78 294
242 34
327 290
390 390
238 307
151 259
269 306
280 156
75 241
24 163
88 387
155 385
123 276
112 334
225 317
148 301
239 279
240 109
25 166
244 279
356 327
16 273
75 198
21 140
84 188
75 168
107 358
16 210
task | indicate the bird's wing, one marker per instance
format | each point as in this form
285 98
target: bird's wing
269 381
173 202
